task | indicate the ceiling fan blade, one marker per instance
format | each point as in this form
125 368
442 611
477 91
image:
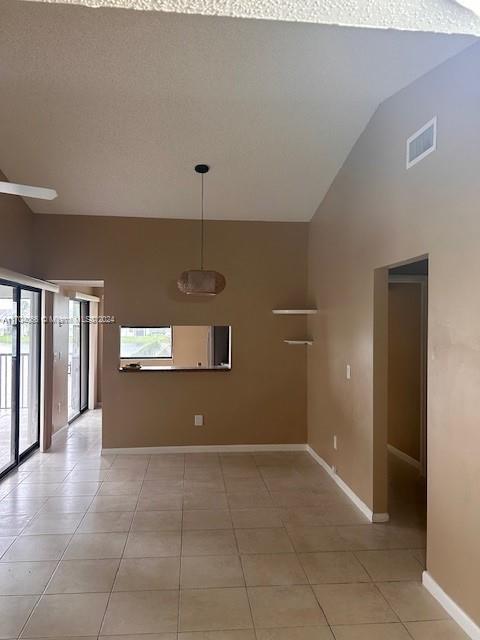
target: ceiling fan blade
28 192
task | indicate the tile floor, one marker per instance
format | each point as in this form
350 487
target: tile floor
202 547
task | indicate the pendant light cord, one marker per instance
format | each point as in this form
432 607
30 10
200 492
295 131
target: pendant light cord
202 227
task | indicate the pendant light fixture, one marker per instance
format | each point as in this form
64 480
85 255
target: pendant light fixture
201 282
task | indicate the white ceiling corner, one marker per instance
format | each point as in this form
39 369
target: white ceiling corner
114 108
437 16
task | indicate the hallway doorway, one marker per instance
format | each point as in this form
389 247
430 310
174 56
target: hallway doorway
407 385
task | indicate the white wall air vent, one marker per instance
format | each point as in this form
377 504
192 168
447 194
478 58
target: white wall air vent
422 143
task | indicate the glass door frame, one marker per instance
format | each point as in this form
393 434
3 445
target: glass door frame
84 358
18 457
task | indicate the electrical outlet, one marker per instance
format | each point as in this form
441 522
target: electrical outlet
198 420
335 442
349 372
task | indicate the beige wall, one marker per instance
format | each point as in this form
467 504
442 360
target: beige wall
263 398
16 240
378 214
404 366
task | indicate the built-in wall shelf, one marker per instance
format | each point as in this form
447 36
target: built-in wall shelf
294 312
309 342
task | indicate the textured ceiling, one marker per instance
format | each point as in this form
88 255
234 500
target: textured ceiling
438 16
113 108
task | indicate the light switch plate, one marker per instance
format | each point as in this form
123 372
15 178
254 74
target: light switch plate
198 420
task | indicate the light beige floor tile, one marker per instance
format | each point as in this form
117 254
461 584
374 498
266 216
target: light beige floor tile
120 488
307 539
123 475
46 523
304 517
138 612
353 604
237 634
87 475
113 503
204 519
80 614
214 609
160 487
157 521
436 630
147 574
199 543
14 612
411 601
21 506
389 631
291 606
168 501
333 566
144 636
66 504
211 571
299 498
250 500
263 541
5 543
25 578
35 490
273 569
106 522
205 500
47 475
83 576
395 564
84 546
152 544
78 489
72 638
298 633
133 461
344 514
198 486
244 485
13 525
381 536
256 518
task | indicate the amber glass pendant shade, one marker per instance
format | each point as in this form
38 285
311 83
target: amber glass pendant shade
201 282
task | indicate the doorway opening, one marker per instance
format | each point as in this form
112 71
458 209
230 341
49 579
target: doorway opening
20 355
407 393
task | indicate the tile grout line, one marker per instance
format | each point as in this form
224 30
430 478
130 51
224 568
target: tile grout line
181 549
54 571
102 622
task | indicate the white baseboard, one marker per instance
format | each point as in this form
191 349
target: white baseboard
214 448
461 618
404 456
367 512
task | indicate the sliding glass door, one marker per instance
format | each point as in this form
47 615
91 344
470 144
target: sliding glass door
19 373
8 343
29 385
77 358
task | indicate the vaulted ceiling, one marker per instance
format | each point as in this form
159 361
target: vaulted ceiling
113 108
